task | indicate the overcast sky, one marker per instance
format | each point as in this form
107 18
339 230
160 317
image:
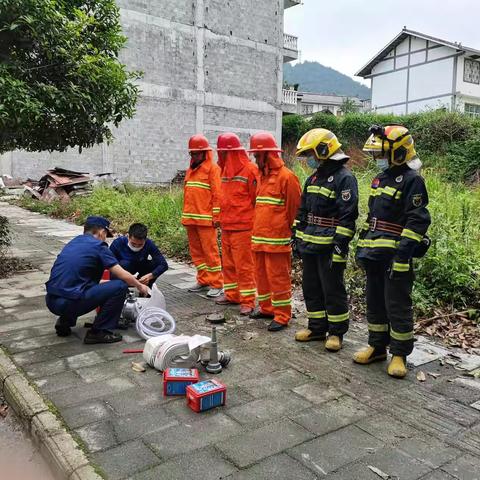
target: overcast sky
345 34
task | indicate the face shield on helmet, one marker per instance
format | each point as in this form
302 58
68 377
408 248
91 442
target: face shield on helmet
392 145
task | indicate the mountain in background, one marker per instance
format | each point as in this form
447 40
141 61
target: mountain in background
314 77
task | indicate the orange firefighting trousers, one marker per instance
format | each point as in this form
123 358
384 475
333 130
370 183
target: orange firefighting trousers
238 267
205 255
274 284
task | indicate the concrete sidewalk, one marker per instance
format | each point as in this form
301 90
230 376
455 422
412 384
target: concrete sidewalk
293 411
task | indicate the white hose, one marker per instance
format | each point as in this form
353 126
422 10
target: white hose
153 322
174 351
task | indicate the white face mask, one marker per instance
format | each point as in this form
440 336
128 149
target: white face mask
382 163
134 249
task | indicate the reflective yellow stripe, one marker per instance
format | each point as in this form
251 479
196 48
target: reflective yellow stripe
262 298
366 226
401 267
240 179
337 318
378 327
206 186
270 241
218 268
319 314
246 293
321 191
338 259
403 337
235 179
378 243
230 286
282 303
270 201
196 216
202 266
345 231
392 192
411 234
313 239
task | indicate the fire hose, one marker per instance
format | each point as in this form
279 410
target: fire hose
154 321
181 351
175 351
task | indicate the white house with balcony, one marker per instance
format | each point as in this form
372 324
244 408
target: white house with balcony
416 72
309 103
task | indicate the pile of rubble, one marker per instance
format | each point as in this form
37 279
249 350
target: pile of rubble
57 184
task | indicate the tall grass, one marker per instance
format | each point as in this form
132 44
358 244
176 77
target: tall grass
158 208
450 272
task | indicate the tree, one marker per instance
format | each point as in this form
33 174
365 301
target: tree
61 83
349 106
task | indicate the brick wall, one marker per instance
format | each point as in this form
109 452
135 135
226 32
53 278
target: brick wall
209 66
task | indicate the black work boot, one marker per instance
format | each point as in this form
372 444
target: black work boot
101 336
275 326
257 314
62 329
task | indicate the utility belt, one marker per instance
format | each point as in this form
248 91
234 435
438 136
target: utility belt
376 225
321 221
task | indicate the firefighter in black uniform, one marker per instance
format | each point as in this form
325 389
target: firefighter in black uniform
393 234
324 227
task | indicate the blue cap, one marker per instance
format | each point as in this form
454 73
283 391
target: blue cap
99 222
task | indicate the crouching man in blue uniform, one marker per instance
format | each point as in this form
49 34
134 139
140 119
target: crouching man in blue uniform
138 254
74 289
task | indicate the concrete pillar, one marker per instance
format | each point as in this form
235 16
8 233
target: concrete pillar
6 167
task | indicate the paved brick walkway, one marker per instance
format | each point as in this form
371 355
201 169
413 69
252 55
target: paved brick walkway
294 411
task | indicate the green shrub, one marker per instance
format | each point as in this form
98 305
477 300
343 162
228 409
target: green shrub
324 120
294 126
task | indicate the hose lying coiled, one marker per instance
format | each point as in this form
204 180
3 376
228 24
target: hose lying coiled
153 322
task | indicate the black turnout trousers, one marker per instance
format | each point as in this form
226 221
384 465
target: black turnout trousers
325 294
389 307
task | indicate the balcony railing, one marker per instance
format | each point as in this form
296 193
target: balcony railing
289 97
290 42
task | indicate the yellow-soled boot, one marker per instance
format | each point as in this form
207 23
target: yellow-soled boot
306 335
370 355
333 343
397 367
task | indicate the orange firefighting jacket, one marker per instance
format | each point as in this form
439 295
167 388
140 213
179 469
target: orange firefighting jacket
240 180
201 197
278 199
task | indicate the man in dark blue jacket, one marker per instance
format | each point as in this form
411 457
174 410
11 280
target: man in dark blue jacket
139 255
74 287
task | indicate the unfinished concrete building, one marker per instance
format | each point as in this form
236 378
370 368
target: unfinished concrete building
209 66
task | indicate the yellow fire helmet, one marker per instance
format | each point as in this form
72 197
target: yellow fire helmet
396 143
324 144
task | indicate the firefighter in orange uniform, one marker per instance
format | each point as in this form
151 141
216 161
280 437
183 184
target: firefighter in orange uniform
201 210
239 190
277 203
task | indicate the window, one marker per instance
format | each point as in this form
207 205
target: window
472 110
307 109
471 73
